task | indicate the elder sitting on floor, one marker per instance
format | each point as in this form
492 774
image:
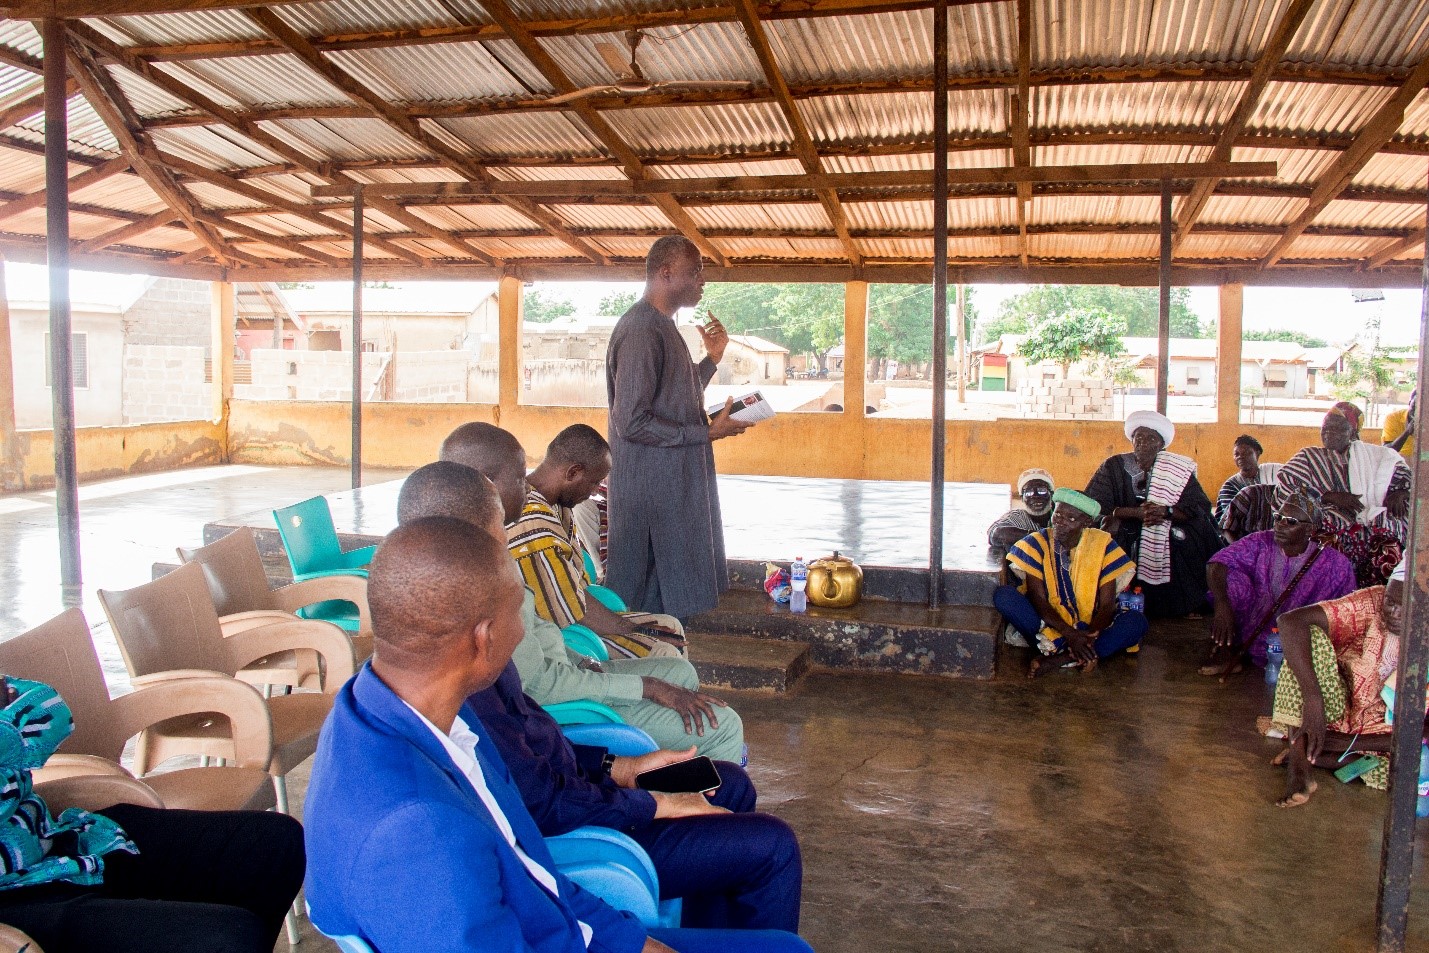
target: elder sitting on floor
1066 607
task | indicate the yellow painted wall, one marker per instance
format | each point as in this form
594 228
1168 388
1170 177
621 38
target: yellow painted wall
107 452
813 445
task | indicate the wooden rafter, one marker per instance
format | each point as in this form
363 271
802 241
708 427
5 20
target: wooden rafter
315 60
1021 122
81 181
1391 251
31 105
19 60
803 142
110 105
531 48
274 241
1235 127
133 230
815 181
1381 127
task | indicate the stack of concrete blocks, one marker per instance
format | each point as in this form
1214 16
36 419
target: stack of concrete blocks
164 382
171 311
1067 400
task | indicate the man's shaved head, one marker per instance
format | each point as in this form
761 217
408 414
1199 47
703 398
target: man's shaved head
449 489
434 580
578 443
669 250
497 454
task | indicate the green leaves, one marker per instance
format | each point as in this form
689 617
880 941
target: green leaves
1077 334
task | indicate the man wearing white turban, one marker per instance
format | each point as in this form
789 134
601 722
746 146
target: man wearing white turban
1154 506
1034 487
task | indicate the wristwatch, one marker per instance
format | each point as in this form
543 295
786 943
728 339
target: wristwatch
607 764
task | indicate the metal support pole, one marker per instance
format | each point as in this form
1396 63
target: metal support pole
1163 323
57 259
962 344
357 227
11 467
940 297
1396 863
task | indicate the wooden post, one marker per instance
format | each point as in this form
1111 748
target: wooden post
508 381
1396 864
222 329
855 347
940 299
1163 323
61 326
11 465
358 226
1228 353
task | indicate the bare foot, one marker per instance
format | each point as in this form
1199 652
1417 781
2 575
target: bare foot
1211 669
1042 664
1299 797
1267 727
1298 783
1089 666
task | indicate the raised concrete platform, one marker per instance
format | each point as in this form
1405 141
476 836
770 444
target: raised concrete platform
882 525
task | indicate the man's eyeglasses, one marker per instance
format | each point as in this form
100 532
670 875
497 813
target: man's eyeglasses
1289 520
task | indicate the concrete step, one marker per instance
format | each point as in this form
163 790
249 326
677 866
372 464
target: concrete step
958 641
730 661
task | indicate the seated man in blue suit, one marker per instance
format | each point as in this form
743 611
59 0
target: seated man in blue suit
417 839
733 867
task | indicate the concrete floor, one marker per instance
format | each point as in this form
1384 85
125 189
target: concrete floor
1126 810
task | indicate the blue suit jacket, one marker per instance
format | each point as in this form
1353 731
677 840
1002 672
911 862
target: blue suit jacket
403 853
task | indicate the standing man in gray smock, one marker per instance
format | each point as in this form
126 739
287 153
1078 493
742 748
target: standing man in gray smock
666 550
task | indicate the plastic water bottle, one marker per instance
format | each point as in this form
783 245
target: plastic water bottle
798 584
1421 809
1131 600
1274 657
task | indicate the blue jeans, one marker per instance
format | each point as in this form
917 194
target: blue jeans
1126 629
732 941
740 870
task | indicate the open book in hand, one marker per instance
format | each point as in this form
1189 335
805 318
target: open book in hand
750 408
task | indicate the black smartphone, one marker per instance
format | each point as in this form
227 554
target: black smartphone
697 775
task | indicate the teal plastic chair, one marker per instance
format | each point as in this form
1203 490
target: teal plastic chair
583 711
601 594
582 640
310 540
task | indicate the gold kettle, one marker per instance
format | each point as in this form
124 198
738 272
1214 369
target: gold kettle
835 582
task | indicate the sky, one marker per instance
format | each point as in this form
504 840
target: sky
1329 313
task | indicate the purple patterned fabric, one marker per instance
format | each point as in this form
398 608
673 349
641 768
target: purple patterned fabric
1257 572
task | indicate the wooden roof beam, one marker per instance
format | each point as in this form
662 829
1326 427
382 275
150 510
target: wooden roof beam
81 181
13 57
531 48
803 142
467 166
273 241
126 232
31 105
1021 122
109 103
1379 130
1235 127
1391 251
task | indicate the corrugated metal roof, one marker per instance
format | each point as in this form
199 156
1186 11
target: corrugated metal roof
126 193
347 139
878 46
667 129
438 73
1319 246
465 217
1096 33
591 9
213 146
1301 108
719 169
1393 172
1372 215
274 79
818 249
632 247
1355 34
810 216
1237 210
357 16
1094 210
900 117
172 29
533 173
520 135
1117 154
610 216
707 51
1293 166
1093 246
1196 247
1123 106
22 172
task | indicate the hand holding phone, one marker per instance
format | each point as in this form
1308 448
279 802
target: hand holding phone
695 776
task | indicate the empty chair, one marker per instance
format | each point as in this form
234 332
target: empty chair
313 549
169 628
238 583
61 654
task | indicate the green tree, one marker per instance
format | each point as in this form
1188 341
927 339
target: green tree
537 307
805 318
1072 337
1285 334
900 321
618 302
1134 311
1368 376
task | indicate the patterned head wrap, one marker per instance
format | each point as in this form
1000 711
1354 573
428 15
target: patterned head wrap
1306 499
1035 473
1348 411
1078 500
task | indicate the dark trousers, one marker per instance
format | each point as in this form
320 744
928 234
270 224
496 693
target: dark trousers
202 882
739 870
1126 629
731 941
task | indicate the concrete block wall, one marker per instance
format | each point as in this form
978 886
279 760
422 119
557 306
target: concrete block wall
1067 400
164 382
434 377
173 311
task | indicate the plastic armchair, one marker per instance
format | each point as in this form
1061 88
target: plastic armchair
238 583
61 654
605 596
169 629
310 539
583 711
95 792
613 867
583 641
621 740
